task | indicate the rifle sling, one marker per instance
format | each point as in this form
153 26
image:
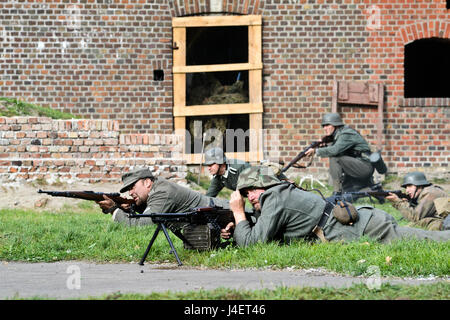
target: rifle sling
326 214
318 230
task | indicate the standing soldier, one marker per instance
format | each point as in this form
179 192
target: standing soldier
225 174
349 153
420 209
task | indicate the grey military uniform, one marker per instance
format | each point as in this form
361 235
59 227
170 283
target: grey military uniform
228 179
167 197
350 167
290 213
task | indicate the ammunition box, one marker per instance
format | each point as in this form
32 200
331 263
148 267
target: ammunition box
201 237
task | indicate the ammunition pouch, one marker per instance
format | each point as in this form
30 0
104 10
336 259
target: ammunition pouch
201 237
345 212
377 162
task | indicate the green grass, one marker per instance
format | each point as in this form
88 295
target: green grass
355 292
10 107
387 291
84 233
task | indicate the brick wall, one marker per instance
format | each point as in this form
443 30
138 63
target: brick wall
96 59
90 58
83 150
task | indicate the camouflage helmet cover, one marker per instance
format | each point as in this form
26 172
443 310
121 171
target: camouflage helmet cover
415 178
215 155
332 118
257 177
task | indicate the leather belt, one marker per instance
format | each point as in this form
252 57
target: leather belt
326 214
318 230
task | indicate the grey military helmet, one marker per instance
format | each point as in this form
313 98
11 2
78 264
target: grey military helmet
130 178
332 118
215 155
257 177
415 178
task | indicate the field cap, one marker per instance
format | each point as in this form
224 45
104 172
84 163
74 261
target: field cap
130 178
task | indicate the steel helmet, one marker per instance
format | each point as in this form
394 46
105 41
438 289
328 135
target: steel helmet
257 177
415 178
215 155
332 118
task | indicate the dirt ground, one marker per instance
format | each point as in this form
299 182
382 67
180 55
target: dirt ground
24 195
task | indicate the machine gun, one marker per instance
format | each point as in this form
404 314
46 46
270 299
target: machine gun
90 195
377 194
315 144
201 227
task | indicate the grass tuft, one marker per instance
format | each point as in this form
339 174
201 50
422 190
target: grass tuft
11 107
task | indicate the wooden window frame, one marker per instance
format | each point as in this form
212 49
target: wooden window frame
254 108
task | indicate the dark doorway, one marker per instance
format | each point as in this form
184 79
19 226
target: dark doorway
427 68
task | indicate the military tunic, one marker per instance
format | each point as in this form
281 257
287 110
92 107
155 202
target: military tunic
228 179
168 197
350 167
290 213
423 214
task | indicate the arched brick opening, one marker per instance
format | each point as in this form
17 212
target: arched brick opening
182 8
417 31
425 29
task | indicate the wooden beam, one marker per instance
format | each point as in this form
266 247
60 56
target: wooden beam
256 138
334 96
380 116
217 67
217 109
179 60
195 158
216 21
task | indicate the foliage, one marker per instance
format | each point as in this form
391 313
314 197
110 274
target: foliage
387 291
84 233
10 107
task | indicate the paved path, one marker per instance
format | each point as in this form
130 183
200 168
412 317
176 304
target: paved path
77 279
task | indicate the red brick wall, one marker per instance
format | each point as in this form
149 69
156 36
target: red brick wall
90 58
86 150
306 46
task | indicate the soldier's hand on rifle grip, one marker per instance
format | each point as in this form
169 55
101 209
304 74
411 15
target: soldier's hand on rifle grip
310 152
125 207
226 233
392 197
107 205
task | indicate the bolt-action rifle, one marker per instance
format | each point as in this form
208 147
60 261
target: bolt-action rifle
315 144
377 194
201 226
90 195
